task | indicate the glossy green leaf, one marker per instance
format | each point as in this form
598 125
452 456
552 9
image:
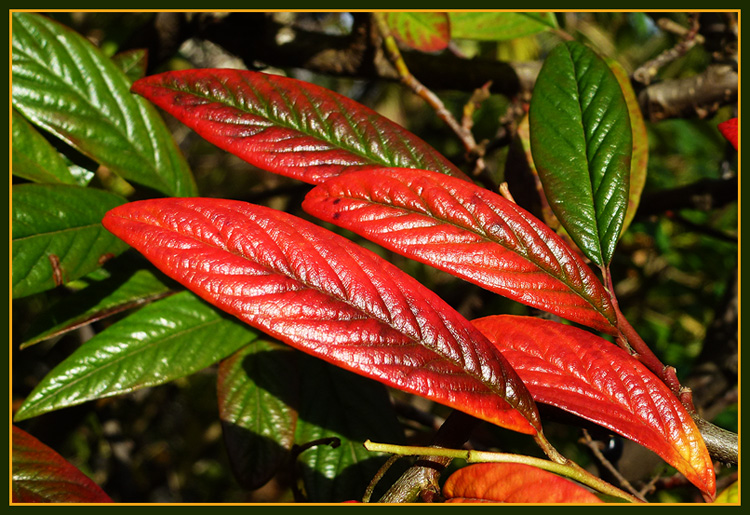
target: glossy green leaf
258 390
336 403
124 290
425 31
272 398
499 26
57 234
639 160
34 158
581 142
168 339
132 63
40 475
64 84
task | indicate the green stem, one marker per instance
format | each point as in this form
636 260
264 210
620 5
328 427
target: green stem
471 456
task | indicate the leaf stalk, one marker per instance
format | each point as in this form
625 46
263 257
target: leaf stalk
569 469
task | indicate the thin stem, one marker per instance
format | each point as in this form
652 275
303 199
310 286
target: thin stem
375 480
648 71
472 456
608 465
394 54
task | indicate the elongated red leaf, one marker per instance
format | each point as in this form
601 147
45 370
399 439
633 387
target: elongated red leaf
470 232
328 297
586 375
287 126
730 131
40 475
512 483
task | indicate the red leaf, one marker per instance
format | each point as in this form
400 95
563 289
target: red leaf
586 375
513 483
328 297
40 475
287 126
424 31
729 130
470 232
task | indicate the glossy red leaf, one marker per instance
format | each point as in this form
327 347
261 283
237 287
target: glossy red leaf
287 126
584 374
325 295
729 130
40 475
513 483
470 232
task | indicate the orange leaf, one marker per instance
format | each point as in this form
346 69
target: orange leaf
584 374
513 483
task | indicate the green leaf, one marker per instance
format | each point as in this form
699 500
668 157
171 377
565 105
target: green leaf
57 234
730 495
258 390
125 289
639 160
171 338
35 159
581 142
64 84
132 63
425 31
272 398
499 26
336 403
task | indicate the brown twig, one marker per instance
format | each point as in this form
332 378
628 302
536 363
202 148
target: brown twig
703 195
464 135
648 70
593 445
253 38
699 95
424 474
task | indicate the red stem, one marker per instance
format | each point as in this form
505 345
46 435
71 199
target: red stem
633 343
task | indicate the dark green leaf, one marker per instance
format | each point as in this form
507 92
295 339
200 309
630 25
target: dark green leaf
581 142
258 390
35 159
499 26
132 63
64 84
99 300
171 338
57 234
337 403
